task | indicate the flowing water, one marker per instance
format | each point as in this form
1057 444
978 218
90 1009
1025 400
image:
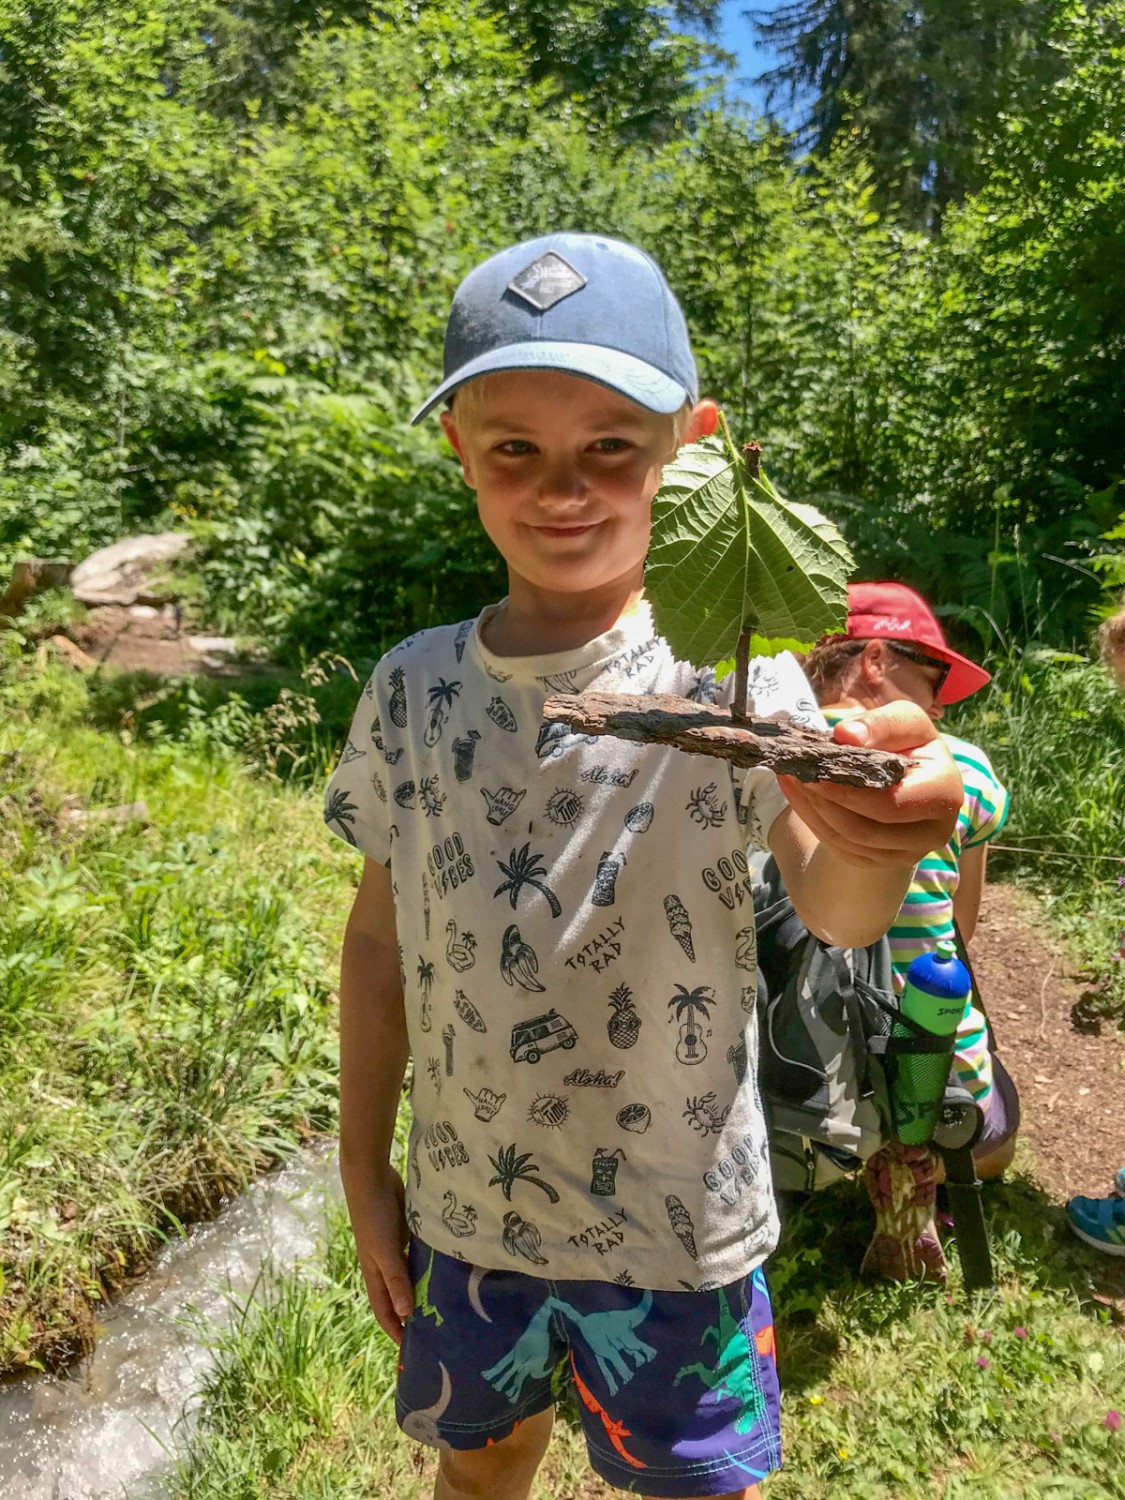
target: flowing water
110 1429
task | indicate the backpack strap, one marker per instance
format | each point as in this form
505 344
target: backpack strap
978 998
963 1187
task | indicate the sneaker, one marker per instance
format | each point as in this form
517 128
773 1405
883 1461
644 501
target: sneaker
900 1184
1100 1222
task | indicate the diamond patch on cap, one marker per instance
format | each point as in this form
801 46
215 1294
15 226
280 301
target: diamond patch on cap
546 281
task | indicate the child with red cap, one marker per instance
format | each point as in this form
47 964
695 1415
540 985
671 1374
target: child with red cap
893 649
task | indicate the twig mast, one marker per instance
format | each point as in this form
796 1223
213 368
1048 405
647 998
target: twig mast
740 710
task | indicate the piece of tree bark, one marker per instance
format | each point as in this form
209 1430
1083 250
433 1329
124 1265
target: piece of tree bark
770 740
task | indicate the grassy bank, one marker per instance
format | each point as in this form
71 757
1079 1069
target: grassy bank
891 1393
166 1023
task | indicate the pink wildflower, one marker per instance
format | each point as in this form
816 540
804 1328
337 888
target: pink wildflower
1020 1333
1113 1420
983 1361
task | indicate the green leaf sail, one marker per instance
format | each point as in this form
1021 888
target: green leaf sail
727 552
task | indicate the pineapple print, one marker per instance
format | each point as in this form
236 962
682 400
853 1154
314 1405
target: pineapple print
398 698
624 1026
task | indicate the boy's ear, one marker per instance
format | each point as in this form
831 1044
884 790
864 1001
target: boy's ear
453 436
702 422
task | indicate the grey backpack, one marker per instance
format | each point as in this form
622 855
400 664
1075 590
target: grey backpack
820 1010
827 1061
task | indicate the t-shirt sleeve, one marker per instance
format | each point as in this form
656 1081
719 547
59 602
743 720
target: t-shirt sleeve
985 808
355 802
776 684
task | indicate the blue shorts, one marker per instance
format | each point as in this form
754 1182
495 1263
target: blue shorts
677 1391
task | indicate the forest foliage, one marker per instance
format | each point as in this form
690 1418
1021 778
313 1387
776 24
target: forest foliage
229 233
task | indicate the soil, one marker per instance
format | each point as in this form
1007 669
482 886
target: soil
148 639
1068 1065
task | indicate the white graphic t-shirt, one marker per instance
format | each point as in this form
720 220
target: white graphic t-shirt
576 934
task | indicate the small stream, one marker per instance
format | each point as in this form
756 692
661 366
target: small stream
109 1429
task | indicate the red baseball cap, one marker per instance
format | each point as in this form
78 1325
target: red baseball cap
892 612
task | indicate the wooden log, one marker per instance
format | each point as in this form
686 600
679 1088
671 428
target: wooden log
770 740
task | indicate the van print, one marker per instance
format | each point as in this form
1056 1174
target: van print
531 1038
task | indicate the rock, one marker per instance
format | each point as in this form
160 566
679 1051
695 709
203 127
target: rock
30 578
71 653
125 572
213 645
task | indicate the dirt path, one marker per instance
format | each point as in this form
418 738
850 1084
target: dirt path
1070 1073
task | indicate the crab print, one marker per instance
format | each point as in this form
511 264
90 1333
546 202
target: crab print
430 797
704 807
703 1114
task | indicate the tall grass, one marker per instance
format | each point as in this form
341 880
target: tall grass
166 1013
1054 725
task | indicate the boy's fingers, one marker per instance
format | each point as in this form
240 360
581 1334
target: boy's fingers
385 1315
893 726
857 851
875 830
389 1291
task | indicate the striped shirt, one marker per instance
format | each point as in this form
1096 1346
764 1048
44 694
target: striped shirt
926 915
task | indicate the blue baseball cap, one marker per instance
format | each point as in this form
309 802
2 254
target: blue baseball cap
579 303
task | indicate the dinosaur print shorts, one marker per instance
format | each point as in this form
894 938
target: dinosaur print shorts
677 1391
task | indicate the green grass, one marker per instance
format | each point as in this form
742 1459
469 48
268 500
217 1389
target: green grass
889 1392
166 1017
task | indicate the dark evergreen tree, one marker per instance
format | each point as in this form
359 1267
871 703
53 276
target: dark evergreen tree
922 85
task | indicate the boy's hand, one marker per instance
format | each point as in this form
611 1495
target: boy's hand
379 1225
886 829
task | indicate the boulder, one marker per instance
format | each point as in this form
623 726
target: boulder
125 573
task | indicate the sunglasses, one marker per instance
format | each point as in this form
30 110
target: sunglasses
921 659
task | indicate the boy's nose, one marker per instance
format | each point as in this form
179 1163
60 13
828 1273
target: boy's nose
563 483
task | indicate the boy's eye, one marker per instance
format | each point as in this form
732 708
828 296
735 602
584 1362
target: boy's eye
516 447
611 445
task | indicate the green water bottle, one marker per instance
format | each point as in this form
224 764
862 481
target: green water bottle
937 990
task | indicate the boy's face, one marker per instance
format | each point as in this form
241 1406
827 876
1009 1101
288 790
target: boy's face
564 472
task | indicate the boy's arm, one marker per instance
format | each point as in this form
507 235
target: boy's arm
846 854
373 1056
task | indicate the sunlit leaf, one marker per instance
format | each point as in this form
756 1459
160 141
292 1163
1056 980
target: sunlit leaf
727 552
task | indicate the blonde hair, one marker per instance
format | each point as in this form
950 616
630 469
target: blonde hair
470 397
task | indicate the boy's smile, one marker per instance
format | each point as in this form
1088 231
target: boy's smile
564 472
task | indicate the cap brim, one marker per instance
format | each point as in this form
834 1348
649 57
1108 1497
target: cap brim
965 676
623 373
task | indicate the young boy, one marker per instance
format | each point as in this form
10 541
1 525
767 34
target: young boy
558 930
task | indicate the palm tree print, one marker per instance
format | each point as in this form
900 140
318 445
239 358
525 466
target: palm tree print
511 1169
425 976
689 1001
341 810
523 869
691 1048
440 698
